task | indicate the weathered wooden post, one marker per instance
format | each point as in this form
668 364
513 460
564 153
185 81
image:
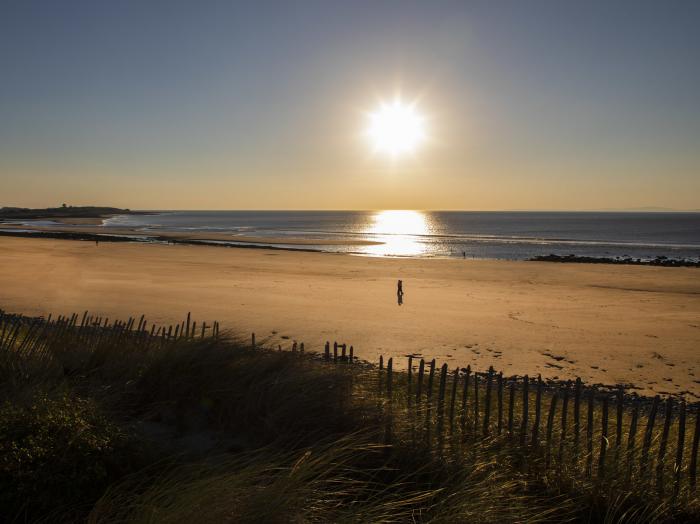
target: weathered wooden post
204 328
663 445
678 466
465 395
564 416
603 438
453 397
343 356
692 470
381 370
620 413
538 413
644 460
177 331
252 340
409 378
500 403
487 401
511 407
441 390
335 355
431 378
526 406
352 354
589 434
327 351
631 440
187 332
550 427
476 403
419 382
389 376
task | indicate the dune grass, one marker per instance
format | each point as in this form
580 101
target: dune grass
113 425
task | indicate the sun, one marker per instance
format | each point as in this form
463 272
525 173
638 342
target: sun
396 128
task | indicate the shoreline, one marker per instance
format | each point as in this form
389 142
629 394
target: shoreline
609 324
224 240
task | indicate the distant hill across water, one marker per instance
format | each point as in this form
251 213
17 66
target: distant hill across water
64 211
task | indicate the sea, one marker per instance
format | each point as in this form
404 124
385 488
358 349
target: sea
442 234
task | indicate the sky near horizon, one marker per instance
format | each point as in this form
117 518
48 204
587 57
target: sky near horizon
261 105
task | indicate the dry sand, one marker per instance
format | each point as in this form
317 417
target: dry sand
606 324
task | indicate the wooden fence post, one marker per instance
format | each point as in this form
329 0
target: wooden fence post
343 356
327 351
678 466
465 395
511 407
419 384
409 378
500 403
252 340
663 445
694 452
526 410
389 376
352 354
441 397
538 413
487 401
453 397
589 434
380 387
577 415
564 416
187 332
620 413
335 355
631 440
550 425
476 403
431 378
644 460
603 438
443 383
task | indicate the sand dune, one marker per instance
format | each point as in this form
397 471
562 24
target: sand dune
609 324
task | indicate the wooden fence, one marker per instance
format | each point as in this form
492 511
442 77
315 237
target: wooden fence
604 433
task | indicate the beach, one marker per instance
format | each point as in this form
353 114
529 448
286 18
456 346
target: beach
632 325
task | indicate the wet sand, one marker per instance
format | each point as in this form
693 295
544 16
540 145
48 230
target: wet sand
607 324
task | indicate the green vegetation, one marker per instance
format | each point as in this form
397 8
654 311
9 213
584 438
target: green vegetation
116 424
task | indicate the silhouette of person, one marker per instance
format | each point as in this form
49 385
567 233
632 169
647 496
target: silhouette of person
399 292
97 242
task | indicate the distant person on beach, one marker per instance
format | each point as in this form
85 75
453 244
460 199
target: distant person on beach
399 292
97 242
464 254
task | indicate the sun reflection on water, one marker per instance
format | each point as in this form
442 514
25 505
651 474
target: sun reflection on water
399 232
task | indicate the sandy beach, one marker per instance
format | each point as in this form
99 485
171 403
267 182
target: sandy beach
607 324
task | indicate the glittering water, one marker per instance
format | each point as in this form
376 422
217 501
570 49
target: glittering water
506 235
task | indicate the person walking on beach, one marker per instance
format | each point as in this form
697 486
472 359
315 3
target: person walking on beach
399 292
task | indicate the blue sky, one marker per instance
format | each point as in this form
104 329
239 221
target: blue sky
234 105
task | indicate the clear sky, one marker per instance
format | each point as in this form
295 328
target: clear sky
261 105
